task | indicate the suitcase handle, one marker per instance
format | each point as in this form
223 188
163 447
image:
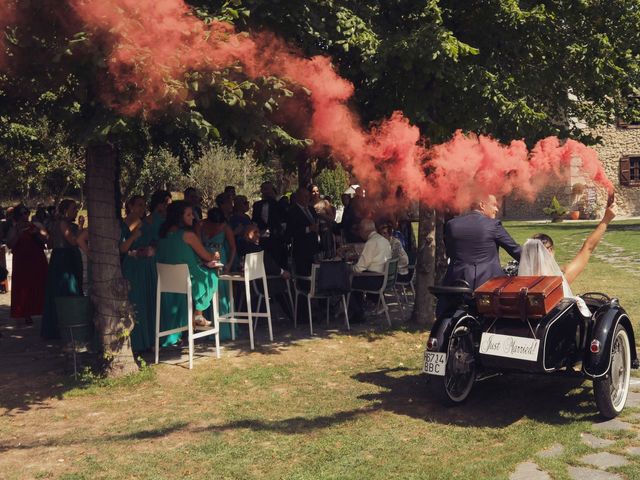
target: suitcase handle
498 303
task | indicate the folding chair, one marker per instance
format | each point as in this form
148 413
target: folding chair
409 283
176 279
388 285
253 270
312 292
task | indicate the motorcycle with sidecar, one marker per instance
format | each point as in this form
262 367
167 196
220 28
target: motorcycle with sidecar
526 326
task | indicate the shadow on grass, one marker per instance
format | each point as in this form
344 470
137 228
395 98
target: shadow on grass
149 434
495 402
31 369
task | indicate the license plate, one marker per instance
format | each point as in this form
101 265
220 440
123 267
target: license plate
435 363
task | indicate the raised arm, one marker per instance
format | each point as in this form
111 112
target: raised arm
191 239
578 264
136 233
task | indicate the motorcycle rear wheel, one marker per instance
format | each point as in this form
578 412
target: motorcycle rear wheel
460 372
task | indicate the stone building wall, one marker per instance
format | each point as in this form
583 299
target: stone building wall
616 142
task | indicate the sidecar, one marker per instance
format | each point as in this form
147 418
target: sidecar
487 333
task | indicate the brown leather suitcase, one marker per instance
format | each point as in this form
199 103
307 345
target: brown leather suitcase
518 297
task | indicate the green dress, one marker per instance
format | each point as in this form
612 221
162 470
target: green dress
218 243
204 282
140 271
156 222
64 278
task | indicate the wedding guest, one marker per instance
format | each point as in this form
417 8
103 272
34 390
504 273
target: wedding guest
277 276
239 219
268 215
64 276
29 277
158 205
302 229
217 236
397 252
179 244
39 218
192 196
325 214
139 268
374 256
230 190
225 203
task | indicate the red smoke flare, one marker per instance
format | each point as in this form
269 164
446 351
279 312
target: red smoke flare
153 43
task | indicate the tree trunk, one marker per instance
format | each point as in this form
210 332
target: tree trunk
424 312
113 315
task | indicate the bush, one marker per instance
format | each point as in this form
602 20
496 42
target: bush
555 210
333 182
219 166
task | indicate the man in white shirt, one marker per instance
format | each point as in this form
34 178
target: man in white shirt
377 249
376 252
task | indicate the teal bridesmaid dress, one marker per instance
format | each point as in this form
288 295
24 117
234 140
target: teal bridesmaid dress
140 271
204 282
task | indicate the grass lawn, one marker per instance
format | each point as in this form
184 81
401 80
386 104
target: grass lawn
340 405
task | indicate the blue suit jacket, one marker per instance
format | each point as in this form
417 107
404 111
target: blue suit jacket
472 242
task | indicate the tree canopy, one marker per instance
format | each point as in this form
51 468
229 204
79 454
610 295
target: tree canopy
513 69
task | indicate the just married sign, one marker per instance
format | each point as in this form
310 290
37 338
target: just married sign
509 346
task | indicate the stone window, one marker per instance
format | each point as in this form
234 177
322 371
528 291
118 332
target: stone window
630 171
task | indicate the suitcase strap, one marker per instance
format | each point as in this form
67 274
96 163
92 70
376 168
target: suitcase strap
495 299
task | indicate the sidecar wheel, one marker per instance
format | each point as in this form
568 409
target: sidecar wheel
460 372
611 390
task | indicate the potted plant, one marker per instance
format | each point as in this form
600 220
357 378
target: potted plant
555 210
577 200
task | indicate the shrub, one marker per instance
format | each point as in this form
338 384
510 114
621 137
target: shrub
555 210
220 165
333 182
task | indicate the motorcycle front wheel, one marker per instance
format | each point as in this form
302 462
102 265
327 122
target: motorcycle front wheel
611 390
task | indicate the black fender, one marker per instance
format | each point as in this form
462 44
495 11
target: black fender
442 329
607 318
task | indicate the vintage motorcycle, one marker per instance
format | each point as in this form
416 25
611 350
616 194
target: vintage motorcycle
522 329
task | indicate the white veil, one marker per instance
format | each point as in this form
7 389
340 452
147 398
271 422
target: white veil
536 260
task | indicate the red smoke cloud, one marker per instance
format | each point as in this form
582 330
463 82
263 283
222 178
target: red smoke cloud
152 44
469 166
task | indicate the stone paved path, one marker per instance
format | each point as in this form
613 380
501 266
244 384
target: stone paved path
600 463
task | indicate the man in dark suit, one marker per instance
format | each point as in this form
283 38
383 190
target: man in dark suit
473 241
268 215
302 229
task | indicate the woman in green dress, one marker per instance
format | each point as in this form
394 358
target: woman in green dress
64 277
139 268
217 236
158 205
179 244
